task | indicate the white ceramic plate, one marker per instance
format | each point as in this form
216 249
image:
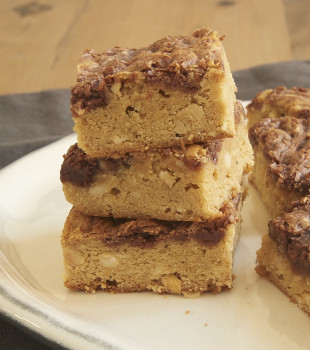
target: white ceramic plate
253 314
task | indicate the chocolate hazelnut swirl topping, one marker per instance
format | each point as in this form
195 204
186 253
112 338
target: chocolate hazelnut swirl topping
282 101
176 62
147 232
80 169
292 232
286 145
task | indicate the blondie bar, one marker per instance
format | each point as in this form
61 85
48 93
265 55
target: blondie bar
178 90
284 256
124 255
193 183
281 172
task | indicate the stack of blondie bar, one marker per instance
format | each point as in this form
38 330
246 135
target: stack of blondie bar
158 175
280 135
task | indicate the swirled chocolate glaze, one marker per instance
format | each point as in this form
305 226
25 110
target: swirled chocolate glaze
286 145
80 169
281 102
147 232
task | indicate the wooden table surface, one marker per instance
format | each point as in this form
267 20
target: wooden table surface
40 41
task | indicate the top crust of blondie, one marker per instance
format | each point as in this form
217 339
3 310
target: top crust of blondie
286 145
291 231
279 102
148 232
175 62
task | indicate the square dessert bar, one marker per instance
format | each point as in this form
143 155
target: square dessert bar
284 256
281 172
125 255
279 102
178 90
192 183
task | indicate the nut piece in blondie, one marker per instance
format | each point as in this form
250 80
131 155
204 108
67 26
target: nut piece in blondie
178 90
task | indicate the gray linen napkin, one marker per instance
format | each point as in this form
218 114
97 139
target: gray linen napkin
30 121
269 76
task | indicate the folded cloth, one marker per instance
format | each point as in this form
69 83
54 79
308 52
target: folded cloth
30 121
269 76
